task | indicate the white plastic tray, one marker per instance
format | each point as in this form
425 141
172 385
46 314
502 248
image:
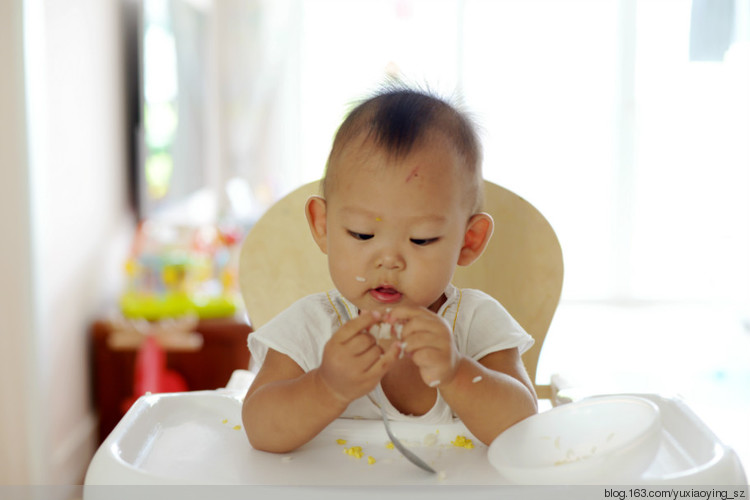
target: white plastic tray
197 438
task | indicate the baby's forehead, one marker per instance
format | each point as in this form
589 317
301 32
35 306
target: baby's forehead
364 160
364 156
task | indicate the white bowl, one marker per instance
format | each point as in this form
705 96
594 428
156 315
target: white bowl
599 440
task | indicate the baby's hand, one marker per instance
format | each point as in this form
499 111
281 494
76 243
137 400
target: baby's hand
427 339
353 363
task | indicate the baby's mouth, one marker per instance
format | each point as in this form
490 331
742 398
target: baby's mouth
385 294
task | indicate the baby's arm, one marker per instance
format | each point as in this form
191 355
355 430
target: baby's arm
488 396
502 396
286 407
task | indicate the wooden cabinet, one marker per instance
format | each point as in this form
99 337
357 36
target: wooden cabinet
224 349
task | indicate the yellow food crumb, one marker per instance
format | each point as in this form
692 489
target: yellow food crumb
237 427
370 460
463 442
341 441
354 451
389 445
224 421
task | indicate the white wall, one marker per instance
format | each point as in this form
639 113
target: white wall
15 261
70 215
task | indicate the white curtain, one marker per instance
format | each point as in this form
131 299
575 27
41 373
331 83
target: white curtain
258 43
591 109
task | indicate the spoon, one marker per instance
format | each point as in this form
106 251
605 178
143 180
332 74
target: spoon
399 446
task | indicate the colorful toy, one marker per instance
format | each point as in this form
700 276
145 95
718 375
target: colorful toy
177 271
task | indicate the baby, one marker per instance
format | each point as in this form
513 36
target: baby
400 210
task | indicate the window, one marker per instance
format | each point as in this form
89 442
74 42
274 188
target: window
625 122
591 109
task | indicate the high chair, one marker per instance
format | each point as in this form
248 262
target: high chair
197 437
522 266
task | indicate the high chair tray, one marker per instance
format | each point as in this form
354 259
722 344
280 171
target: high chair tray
197 438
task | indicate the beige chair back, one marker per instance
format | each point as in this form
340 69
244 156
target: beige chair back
522 266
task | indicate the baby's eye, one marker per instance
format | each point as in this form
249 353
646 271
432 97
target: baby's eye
360 236
423 241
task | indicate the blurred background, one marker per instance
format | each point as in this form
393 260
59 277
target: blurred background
626 122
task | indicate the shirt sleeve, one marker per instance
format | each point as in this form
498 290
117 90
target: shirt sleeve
486 327
300 332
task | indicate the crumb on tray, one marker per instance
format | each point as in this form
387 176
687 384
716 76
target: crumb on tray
463 442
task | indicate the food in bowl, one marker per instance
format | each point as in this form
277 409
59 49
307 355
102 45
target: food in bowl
599 440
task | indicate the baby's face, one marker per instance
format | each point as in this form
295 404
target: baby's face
395 228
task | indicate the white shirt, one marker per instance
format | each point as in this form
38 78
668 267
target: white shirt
479 323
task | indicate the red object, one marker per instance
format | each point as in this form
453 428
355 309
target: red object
151 373
113 371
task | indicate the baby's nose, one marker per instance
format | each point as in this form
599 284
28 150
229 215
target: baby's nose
390 259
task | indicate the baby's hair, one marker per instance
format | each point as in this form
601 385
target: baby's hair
396 118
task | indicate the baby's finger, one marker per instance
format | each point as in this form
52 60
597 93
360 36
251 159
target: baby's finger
360 344
352 327
369 357
384 362
430 326
406 313
419 340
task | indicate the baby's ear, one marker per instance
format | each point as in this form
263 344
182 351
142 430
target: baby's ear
315 210
478 233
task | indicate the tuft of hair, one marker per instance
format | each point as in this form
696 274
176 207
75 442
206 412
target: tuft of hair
397 117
